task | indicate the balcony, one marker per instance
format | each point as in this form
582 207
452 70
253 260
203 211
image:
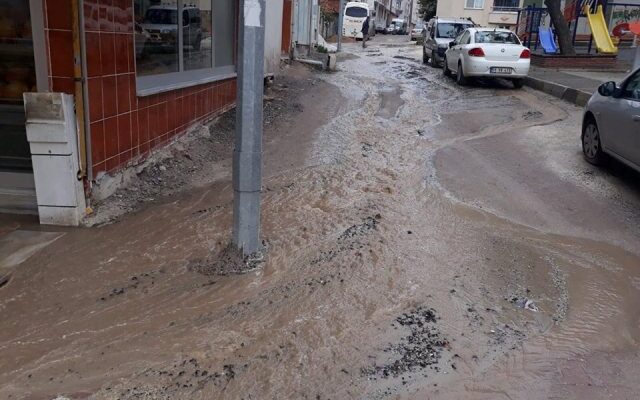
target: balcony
506 5
504 12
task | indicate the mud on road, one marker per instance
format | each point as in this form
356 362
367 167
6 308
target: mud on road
425 241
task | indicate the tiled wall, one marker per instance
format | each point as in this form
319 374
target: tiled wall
59 44
124 127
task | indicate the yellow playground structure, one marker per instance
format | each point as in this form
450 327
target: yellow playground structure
599 30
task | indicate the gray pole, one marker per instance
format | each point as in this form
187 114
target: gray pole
247 155
340 22
410 17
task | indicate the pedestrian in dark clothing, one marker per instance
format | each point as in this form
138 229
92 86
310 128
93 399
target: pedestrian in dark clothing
365 32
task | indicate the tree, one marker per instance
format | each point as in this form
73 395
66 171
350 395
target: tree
427 9
562 28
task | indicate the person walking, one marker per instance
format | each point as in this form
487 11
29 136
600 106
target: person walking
365 32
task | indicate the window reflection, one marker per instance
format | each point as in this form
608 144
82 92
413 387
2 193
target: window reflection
224 31
197 28
156 37
190 35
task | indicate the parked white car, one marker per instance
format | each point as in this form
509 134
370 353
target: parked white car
487 52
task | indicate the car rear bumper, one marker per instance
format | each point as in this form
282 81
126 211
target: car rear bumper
439 53
482 68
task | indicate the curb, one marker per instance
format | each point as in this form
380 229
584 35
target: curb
571 95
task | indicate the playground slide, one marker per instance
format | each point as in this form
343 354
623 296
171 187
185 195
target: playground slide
600 31
547 40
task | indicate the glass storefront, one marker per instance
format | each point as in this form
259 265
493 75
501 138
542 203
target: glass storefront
183 41
17 75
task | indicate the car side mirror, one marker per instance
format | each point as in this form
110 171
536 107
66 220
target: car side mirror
608 89
451 44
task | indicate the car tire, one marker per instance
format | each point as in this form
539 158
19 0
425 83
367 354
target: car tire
425 59
460 78
518 83
434 60
445 68
591 147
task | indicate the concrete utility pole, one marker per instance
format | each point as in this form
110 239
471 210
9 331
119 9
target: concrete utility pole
340 24
247 155
409 28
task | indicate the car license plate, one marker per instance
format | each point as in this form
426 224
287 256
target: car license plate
500 70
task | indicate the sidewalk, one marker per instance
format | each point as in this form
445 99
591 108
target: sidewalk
574 86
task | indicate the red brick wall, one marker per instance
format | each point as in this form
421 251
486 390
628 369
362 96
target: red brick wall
59 44
123 126
559 61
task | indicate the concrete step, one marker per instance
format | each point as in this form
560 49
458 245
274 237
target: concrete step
17 193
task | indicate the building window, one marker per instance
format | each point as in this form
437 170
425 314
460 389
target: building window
506 4
474 4
183 42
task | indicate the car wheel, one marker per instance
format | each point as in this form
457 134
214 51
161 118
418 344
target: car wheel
434 60
518 83
460 78
445 68
425 59
591 147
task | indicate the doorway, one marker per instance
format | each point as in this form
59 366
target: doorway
21 32
286 26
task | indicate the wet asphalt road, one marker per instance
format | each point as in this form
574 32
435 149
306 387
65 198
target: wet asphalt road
425 241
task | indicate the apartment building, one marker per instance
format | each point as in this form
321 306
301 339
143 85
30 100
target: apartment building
498 13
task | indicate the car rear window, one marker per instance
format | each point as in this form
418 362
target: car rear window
496 37
158 16
449 30
356 12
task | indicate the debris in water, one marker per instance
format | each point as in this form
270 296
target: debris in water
531 115
229 262
527 304
370 223
418 350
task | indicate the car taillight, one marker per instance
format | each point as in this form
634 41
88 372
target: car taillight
526 53
476 52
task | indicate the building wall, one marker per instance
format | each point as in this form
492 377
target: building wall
124 127
59 45
457 8
273 36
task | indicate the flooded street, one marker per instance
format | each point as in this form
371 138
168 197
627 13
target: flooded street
425 241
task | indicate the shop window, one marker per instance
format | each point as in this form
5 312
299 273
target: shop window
17 75
183 42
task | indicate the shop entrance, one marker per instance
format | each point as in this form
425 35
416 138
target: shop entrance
19 19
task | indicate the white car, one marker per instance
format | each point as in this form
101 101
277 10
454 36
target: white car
416 33
487 52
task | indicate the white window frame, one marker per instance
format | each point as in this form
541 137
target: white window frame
148 85
472 4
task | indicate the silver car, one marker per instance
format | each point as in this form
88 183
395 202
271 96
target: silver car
611 123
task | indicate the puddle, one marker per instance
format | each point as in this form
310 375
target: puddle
390 103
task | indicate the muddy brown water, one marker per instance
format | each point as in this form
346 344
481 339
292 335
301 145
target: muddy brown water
476 204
